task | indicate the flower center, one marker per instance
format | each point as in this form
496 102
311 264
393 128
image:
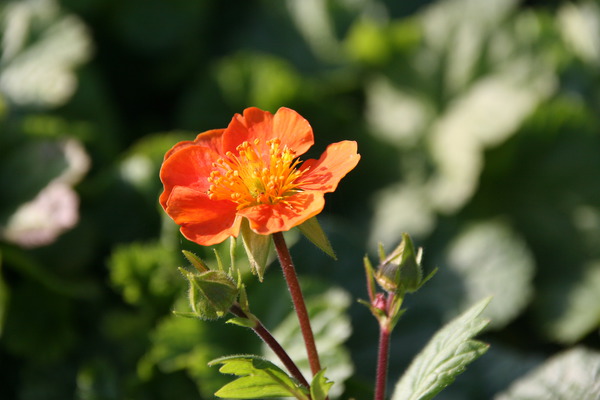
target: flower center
249 180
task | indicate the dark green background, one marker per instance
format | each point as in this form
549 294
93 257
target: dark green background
477 123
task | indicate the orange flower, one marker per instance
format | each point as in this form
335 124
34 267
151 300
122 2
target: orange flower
250 170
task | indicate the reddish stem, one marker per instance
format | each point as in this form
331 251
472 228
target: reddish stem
382 362
289 273
266 336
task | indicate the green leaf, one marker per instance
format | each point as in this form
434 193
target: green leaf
446 355
313 232
257 247
320 385
574 374
259 379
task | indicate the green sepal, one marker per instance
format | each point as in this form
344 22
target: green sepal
381 252
185 314
195 261
232 258
370 277
258 379
219 260
313 232
243 299
211 293
257 247
320 385
396 311
429 276
243 322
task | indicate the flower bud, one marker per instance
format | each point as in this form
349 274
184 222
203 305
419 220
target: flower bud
401 270
211 293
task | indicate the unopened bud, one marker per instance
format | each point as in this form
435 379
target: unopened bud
380 302
401 270
211 293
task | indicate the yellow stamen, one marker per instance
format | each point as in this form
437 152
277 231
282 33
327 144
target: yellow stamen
250 179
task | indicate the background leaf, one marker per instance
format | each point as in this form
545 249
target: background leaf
331 326
484 258
574 374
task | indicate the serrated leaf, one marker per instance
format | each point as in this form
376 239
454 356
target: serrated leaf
259 378
257 247
446 355
313 232
320 385
574 374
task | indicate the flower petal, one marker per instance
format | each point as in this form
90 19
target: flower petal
266 219
189 166
325 173
212 139
287 125
202 220
293 130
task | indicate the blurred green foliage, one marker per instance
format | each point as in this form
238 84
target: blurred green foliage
478 126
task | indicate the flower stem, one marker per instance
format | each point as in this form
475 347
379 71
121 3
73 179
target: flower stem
266 336
289 273
382 361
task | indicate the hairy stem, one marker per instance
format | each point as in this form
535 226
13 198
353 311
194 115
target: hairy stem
382 362
266 336
289 273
